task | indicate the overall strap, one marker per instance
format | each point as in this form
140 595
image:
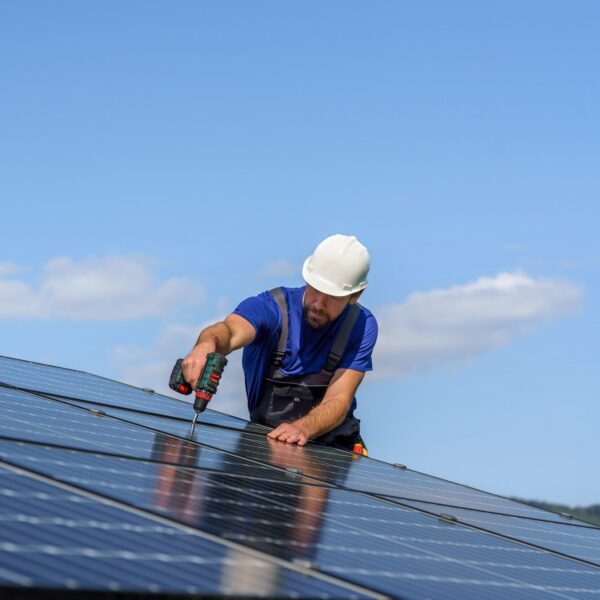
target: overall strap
341 339
278 355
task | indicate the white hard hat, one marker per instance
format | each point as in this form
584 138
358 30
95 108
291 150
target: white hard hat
338 266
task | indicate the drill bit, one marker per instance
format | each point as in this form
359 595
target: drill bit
191 435
206 385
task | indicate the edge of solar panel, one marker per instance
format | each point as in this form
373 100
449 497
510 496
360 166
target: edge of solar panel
189 541
208 415
504 523
209 418
585 554
569 519
385 498
94 375
549 561
574 520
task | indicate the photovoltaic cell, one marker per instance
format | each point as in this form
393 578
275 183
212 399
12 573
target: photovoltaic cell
55 538
364 475
106 392
208 417
368 541
579 542
368 476
27 417
314 505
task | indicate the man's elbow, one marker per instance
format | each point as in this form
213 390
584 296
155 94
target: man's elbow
240 332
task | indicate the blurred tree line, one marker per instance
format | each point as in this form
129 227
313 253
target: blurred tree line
591 514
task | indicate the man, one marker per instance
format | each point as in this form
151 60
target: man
306 349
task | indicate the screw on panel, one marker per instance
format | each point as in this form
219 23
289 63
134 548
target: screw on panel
307 564
399 466
99 413
293 471
149 390
447 518
567 515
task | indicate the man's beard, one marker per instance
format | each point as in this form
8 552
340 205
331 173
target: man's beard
316 318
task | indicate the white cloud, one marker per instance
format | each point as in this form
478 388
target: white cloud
114 287
443 326
151 367
279 268
8 268
427 330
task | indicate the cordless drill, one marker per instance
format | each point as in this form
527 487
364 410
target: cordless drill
207 383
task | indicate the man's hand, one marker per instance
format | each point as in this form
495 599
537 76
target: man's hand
193 363
223 337
290 433
327 415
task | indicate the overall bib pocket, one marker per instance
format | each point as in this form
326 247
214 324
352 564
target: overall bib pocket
288 403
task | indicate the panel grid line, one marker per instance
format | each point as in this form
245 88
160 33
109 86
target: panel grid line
317 484
72 400
348 488
351 528
64 399
298 567
234 478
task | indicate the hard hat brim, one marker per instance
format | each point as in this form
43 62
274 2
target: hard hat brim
324 286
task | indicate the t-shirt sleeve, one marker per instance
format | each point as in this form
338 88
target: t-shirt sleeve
358 355
262 313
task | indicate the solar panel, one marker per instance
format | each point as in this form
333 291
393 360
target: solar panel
25 416
368 476
312 510
87 388
54 538
574 540
364 540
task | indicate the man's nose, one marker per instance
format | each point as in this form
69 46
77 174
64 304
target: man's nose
320 301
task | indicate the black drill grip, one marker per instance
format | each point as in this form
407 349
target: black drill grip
207 382
177 382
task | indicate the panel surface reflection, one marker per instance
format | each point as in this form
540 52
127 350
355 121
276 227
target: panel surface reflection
56 538
579 542
368 541
363 474
94 389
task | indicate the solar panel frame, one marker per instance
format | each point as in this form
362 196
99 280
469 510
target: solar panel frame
252 444
315 470
86 388
72 427
577 542
51 553
409 485
366 530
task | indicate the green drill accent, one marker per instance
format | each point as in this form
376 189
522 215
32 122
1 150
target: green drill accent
215 363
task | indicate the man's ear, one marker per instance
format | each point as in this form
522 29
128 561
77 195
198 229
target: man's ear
354 297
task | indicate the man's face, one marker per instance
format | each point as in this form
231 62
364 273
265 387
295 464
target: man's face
321 309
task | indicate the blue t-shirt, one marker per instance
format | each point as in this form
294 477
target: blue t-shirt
307 347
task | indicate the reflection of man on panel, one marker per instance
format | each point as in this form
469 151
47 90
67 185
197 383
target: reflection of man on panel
306 349
235 499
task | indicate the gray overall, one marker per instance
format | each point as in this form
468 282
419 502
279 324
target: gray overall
286 398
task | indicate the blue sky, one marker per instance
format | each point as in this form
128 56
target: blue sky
162 161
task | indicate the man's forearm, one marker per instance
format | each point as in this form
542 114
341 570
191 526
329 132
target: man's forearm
215 338
324 417
223 337
327 415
